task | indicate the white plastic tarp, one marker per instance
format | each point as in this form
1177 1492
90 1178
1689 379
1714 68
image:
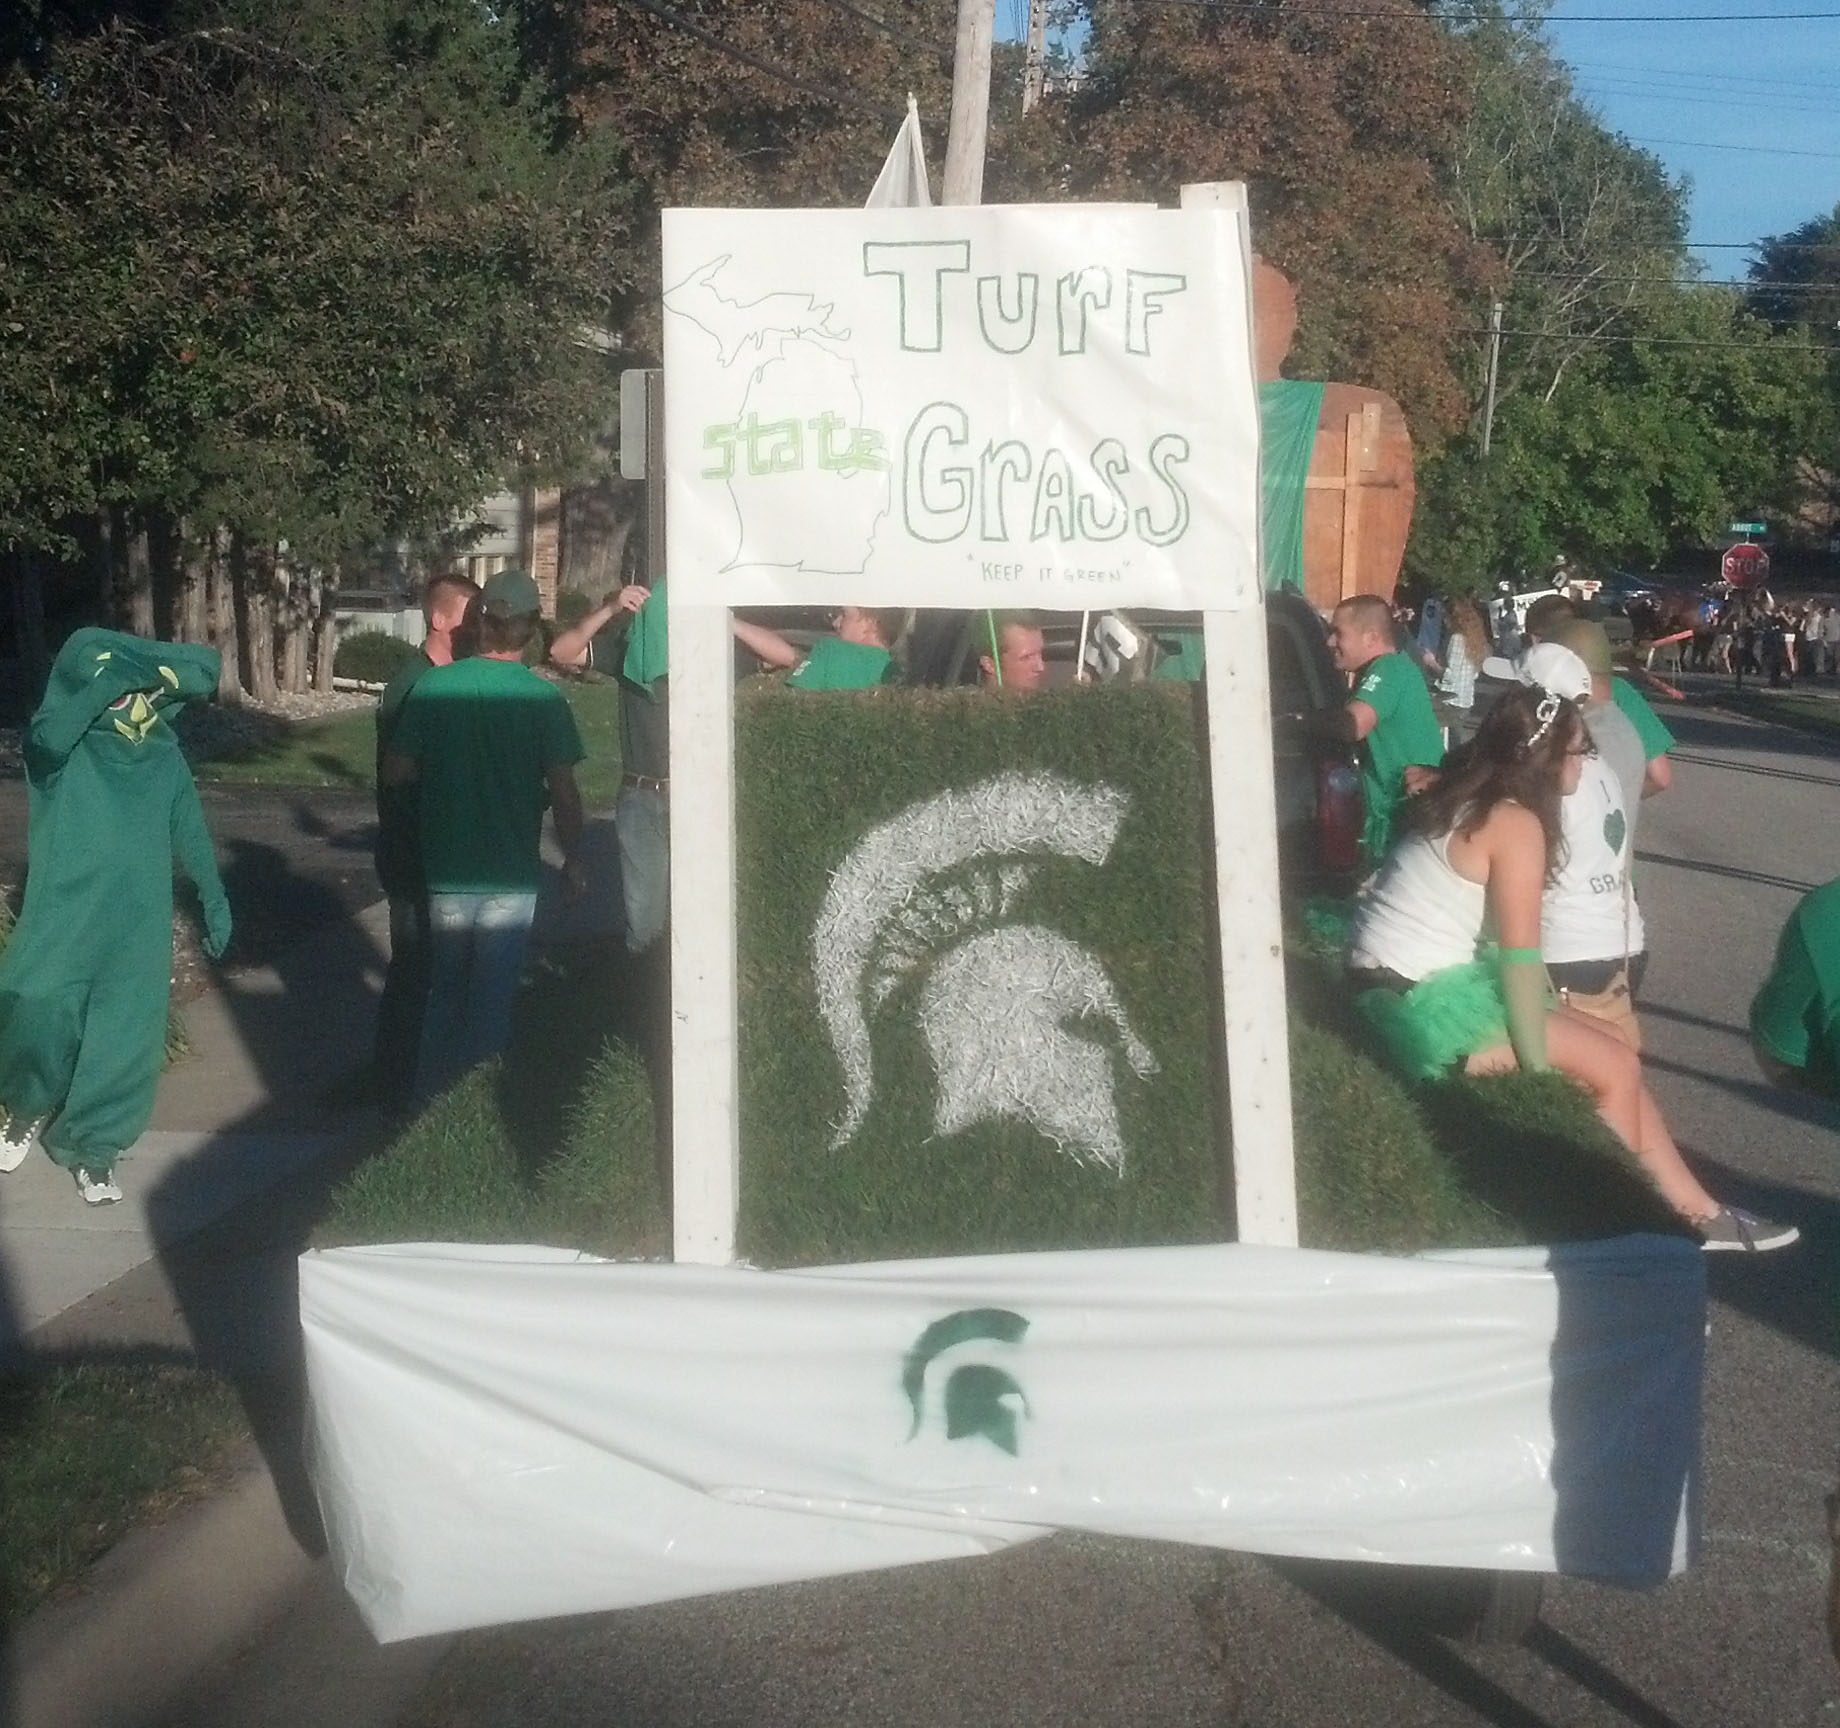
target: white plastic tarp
503 1434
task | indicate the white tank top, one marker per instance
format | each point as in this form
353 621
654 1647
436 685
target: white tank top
1588 911
1420 915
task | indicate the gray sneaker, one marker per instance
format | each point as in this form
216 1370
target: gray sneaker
97 1190
1732 1230
15 1142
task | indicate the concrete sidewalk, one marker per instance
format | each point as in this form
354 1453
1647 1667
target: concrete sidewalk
249 1130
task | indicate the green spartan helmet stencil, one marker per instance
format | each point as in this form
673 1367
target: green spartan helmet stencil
980 1399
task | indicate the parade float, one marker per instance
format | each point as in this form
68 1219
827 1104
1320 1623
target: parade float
996 980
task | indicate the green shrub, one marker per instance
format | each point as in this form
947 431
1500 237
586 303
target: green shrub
372 656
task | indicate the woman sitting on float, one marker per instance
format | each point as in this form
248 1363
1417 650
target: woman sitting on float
1479 846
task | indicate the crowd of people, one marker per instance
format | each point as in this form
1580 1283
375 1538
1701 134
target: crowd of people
471 745
1498 924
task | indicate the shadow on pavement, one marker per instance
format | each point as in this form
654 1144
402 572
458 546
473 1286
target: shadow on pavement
1413 1612
1792 1289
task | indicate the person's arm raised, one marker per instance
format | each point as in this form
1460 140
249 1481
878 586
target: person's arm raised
570 647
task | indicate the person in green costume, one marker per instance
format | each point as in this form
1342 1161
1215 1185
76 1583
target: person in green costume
85 975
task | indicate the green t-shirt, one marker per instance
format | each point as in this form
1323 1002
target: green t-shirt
482 733
398 854
1796 1015
1657 740
834 664
1405 734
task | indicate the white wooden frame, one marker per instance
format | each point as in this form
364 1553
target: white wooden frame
706 1155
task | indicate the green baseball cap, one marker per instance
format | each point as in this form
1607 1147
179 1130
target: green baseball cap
510 594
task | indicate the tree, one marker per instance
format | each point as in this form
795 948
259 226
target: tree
1584 225
1795 285
318 275
1648 444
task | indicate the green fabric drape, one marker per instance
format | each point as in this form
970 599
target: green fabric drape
1288 412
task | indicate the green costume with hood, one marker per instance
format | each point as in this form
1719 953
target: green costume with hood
85 975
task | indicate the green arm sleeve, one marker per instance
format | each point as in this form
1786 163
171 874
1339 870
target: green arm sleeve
191 844
1524 991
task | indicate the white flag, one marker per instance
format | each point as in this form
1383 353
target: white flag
902 181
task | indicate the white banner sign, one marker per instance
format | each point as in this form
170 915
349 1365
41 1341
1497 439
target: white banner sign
1030 406
504 1434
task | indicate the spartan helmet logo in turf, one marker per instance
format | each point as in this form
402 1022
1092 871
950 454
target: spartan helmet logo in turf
1007 1010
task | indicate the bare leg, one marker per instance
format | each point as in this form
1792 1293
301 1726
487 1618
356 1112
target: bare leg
1612 1073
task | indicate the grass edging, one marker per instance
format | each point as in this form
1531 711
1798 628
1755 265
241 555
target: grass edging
93 1450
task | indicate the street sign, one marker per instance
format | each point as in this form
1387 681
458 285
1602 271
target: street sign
1745 566
1745 528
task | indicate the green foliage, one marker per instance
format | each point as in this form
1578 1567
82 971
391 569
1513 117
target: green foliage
90 1450
372 656
314 272
1644 446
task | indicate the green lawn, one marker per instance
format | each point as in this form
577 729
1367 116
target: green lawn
341 751
92 1450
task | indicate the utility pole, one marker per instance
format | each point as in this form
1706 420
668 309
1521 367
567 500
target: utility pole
964 178
1488 401
1035 68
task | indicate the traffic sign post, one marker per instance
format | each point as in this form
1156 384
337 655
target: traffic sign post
1745 565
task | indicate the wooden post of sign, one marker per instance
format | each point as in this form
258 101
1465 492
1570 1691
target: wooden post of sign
1246 883
705 1119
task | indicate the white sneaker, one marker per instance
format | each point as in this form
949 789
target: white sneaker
15 1142
97 1191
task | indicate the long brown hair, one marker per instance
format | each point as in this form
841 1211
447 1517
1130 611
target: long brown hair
1466 621
1516 756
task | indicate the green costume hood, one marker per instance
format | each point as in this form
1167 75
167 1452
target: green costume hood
97 670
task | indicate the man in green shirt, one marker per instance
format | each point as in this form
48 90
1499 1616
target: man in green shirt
636 652
398 856
1388 714
859 657
490 743
1795 1017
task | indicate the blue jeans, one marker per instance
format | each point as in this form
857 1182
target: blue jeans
643 819
477 952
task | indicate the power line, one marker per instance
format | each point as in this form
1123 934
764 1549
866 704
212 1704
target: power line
1720 81
1666 342
842 98
1481 17
1745 149
1782 287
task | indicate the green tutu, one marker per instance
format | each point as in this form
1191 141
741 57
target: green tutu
1441 1020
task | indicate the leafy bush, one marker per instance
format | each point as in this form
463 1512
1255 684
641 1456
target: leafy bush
372 656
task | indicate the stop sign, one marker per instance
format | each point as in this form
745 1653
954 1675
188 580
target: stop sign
1745 565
